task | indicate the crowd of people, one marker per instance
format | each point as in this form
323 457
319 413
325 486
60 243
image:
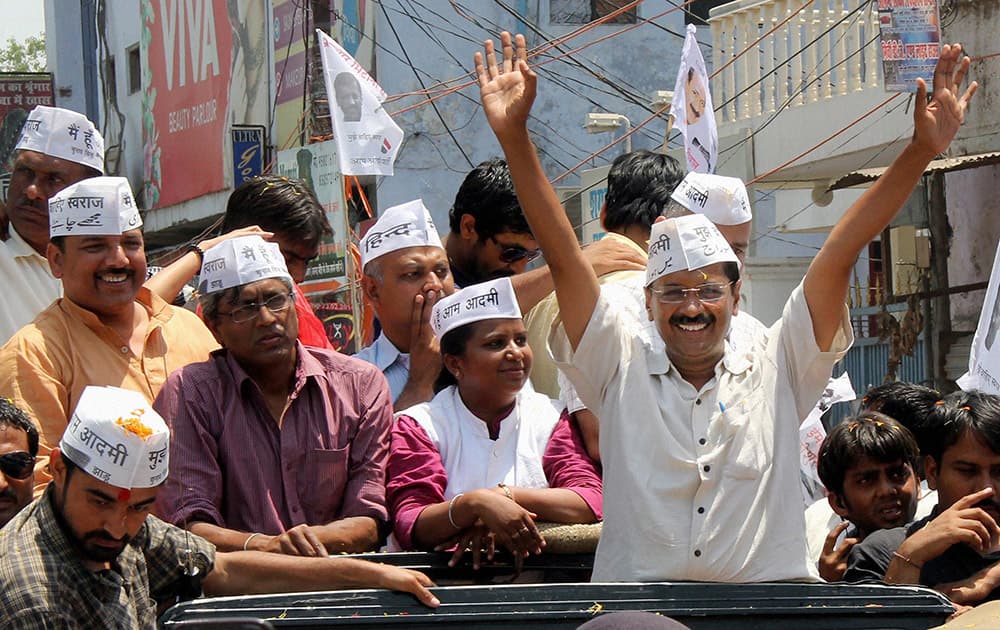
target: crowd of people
150 454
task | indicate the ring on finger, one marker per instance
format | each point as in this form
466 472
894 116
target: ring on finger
523 530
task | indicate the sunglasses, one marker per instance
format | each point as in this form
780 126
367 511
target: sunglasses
17 465
510 254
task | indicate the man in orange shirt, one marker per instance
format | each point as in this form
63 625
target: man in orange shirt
108 329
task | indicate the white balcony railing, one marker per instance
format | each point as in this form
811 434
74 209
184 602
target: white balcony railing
828 48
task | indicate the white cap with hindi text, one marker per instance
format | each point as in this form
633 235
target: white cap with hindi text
99 206
489 300
723 200
63 134
115 436
685 244
399 227
241 260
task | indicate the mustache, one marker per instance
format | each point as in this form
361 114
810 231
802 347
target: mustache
987 504
701 318
116 270
102 535
8 493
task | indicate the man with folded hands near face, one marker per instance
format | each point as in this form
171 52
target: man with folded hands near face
277 446
88 553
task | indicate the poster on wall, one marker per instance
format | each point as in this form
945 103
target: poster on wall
593 189
202 72
984 358
326 283
911 42
19 94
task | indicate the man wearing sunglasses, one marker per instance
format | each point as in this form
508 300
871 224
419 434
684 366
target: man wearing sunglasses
278 446
490 238
18 448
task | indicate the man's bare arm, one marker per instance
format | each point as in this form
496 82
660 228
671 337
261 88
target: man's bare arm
935 124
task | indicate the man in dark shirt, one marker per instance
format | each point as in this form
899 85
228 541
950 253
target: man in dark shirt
955 549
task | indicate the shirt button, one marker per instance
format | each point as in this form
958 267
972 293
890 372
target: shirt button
702 441
707 468
698 402
697 553
124 349
701 510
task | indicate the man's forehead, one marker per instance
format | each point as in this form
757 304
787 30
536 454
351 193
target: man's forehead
12 439
508 237
693 277
44 162
426 254
867 464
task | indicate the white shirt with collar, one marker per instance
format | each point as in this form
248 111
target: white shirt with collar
395 365
701 485
28 285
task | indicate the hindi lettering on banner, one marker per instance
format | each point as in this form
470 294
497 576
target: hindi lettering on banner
910 35
366 136
692 108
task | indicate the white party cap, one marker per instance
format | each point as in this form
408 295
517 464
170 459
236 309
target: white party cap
722 199
117 437
489 300
63 134
99 206
405 225
684 244
241 260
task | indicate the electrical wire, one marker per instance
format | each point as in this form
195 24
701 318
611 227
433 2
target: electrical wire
402 48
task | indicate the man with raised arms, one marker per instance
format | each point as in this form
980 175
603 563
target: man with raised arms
700 443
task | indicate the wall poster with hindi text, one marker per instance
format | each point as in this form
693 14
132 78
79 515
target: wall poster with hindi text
19 93
910 42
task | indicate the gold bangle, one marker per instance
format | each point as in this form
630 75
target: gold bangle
506 490
913 564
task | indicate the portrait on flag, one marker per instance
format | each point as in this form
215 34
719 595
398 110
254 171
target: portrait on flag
692 109
366 136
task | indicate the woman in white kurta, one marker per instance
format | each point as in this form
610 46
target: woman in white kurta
487 456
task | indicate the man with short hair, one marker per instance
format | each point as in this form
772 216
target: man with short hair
867 464
88 553
490 238
108 329
285 210
277 446
704 439
347 93
405 273
18 449
955 549
57 148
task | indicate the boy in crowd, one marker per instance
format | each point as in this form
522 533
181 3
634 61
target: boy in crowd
954 549
867 465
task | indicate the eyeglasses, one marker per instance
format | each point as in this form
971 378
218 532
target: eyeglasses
249 312
510 254
17 465
711 292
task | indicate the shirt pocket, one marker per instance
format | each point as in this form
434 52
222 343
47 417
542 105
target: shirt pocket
751 437
325 481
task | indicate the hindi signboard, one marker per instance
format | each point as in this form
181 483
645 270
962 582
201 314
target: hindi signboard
19 93
911 42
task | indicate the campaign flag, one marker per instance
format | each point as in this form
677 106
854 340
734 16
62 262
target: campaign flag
984 359
692 108
812 433
367 138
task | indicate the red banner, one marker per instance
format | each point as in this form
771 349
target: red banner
187 48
